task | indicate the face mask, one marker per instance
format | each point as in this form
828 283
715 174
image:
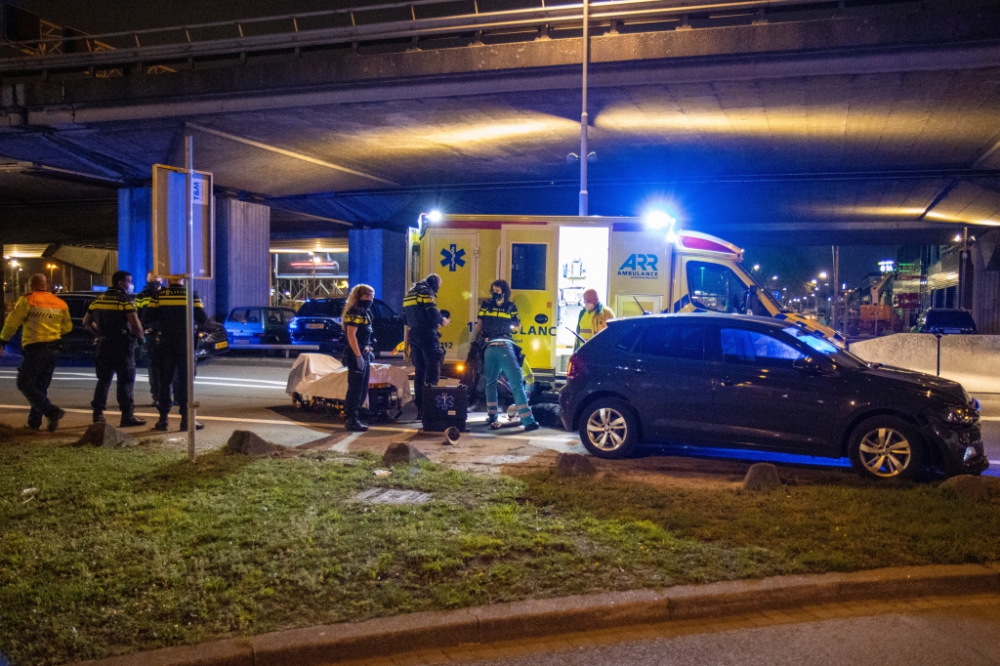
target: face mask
590 306
129 288
364 305
497 297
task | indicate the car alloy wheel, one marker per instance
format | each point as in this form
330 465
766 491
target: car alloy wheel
885 452
886 447
607 429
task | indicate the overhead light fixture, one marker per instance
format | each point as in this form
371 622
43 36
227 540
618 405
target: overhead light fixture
658 219
435 216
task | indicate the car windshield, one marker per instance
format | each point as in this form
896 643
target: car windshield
763 292
824 347
332 308
949 319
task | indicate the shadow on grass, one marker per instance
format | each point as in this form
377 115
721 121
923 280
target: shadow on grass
182 474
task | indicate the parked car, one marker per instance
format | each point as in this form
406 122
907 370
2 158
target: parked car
759 383
318 322
81 342
249 326
945 321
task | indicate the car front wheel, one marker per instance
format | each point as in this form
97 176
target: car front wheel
886 447
609 429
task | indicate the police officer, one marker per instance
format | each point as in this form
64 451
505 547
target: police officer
357 357
167 312
498 319
115 322
45 319
142 300
423 320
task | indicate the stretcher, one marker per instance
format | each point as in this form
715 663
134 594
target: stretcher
318 377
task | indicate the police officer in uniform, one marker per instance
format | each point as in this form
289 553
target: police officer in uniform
115 322
423 320
167 312
45 319
142 301
498 319
357 357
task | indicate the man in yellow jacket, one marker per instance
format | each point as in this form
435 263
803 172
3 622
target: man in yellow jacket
593 318
45 319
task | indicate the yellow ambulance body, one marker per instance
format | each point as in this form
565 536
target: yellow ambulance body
550 261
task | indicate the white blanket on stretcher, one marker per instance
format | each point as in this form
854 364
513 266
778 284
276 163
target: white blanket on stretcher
322 376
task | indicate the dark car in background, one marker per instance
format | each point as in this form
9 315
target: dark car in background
249 326
318 322
946 321
759 383
81 342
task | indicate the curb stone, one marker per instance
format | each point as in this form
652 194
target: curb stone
534 618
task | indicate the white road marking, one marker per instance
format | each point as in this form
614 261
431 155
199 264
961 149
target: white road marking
199 381
989 418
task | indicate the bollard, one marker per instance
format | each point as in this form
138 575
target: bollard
451 436
938 336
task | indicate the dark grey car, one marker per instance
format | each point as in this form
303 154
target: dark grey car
766 384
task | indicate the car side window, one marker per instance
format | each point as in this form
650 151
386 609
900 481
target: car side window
382 311
716 287
629 339
253 316
238 316
273 317
742 347
681 341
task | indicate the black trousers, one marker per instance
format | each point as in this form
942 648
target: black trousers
115 357
426 356
34 376
357 386
171 365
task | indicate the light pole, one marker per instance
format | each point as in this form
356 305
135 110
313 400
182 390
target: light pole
51 267
584 119
16 270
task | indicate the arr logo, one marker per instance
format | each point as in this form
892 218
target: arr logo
641 266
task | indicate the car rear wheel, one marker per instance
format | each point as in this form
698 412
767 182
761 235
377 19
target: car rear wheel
609 429
886 447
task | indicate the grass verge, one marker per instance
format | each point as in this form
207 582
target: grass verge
123 550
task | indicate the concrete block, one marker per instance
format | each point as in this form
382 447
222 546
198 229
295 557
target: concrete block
105 434
232 652
574 464
401 452
966 487
543 617
246 443
761 476
364 640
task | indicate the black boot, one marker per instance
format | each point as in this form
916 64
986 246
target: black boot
354 425
98 416
161 424
197 426
129 421
54 417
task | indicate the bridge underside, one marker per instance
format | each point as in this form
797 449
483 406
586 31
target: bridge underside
839 127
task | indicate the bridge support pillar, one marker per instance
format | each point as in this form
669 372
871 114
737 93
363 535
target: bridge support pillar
135 232
378 258
242 255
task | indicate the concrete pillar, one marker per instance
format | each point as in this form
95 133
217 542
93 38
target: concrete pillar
378 258
986 282
135 231
242 255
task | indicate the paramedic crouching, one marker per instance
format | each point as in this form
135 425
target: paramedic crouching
357 357
423 319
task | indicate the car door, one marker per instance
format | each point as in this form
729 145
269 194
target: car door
387 326
762 401
673 394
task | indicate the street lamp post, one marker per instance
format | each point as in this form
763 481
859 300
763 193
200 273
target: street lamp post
52 268
584 119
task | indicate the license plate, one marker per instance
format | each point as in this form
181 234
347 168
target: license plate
951 330
314 325
221 345
238 342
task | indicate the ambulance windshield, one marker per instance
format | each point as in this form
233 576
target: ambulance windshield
763 293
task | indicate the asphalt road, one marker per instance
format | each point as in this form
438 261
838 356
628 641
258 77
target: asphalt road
249 392
928 632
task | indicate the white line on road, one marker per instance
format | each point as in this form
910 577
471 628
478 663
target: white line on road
989 418
81 377
90 375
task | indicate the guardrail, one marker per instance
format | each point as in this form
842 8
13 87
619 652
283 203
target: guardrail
292 32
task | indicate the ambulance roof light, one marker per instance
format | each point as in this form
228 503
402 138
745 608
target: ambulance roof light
657 219
435 216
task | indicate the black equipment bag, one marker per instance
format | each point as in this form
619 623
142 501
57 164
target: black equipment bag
444 407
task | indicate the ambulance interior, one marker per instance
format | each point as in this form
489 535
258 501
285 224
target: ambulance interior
583 264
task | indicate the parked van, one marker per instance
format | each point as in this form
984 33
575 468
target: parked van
251 325
636 266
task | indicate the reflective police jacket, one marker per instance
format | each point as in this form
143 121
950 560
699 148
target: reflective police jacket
110 310
420 308
45 318
498 321
167 312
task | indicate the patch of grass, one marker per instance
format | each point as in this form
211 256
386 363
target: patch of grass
125 550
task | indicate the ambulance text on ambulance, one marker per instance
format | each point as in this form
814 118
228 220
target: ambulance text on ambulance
641 266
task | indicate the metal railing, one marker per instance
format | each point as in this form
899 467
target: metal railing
291 32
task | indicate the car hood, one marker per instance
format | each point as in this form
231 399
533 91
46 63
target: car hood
917 382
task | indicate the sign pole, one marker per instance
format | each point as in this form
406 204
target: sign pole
584 210
189 309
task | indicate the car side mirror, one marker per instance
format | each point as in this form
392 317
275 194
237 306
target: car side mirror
809 365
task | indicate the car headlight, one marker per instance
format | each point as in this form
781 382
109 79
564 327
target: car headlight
959 414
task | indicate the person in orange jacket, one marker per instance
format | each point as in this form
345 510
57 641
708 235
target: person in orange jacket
44 319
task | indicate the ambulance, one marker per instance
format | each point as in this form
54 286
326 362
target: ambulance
637 266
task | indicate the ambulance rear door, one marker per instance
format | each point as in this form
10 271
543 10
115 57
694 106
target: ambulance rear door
454 255
529 263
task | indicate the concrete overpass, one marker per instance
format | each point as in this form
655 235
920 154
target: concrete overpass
763 121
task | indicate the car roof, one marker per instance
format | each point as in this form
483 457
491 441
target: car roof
718 317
